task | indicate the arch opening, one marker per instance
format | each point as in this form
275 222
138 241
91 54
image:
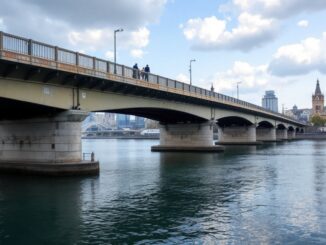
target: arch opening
233 121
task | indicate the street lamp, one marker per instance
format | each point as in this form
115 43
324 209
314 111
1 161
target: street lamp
115 49
238 89
193 60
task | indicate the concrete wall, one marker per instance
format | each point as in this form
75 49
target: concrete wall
237 134
291 135
186 134
266 134
281 134
56 139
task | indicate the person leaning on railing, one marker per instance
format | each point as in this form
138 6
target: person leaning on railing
147 70
135 71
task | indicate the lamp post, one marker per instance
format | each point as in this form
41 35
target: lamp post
193 60
115 49
238 89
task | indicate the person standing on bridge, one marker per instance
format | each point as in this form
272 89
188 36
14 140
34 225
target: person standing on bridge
147 70
135 71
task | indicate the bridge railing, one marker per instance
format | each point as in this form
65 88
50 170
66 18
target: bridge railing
100 67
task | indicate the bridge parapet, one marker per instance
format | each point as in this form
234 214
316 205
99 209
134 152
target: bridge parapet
17 49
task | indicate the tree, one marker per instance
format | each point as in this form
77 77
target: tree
318 121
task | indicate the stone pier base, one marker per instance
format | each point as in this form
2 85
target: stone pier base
237 135
266 134
281 134
46 145
190 137
51 169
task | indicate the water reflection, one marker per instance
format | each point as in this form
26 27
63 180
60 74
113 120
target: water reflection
36 210
267 194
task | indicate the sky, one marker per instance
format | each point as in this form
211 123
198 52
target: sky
264 44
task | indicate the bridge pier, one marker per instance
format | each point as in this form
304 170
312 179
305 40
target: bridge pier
45 145
281 134
266 134
237 135
196 137
291 134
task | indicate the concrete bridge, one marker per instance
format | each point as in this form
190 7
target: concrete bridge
47 91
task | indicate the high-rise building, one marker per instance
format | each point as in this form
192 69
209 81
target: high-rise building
123 121
270 101
317 101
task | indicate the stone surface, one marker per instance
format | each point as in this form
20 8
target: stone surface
188 134
52 139
281 134
237 134
266 134
50 169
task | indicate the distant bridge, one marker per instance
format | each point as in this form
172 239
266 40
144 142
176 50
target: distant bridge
47 90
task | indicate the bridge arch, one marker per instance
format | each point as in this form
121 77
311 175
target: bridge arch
161 114
233 121
281 126
265 124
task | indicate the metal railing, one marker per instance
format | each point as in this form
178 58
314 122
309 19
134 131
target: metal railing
99 67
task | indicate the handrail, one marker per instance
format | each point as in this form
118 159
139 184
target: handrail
20 45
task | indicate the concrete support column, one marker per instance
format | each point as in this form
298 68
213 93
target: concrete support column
281 134
291 135
237 135
47 145
187 137
266 134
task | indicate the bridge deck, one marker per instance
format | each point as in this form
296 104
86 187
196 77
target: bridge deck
25 51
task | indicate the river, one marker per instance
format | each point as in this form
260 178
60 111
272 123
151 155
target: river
269 194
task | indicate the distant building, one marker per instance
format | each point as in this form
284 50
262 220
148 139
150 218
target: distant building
318 101
123 121
302 115
270 101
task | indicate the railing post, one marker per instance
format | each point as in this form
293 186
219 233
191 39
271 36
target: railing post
94 63
108 67
56 53
77 59
30 51
1 40
123 71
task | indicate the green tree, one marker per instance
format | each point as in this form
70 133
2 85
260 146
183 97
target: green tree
318 121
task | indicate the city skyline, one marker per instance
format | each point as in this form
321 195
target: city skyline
266 47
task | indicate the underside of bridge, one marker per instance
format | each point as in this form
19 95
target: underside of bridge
164 116
15 110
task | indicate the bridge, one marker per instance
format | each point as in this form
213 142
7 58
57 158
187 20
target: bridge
47 91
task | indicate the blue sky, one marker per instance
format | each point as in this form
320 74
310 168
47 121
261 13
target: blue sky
265 44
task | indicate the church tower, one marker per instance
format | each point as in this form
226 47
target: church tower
317 101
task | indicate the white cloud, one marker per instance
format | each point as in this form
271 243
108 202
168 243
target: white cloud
303 23
182 78
300 58
109 55
139 38
89 28
251 77
212 33
279 8
137 53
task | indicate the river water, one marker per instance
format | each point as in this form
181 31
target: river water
269 194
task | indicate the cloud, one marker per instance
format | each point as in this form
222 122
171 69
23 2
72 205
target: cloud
109 55
87 26
98 13
212 33
278 8
300 58
182 78
137 53
251 77
303 23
